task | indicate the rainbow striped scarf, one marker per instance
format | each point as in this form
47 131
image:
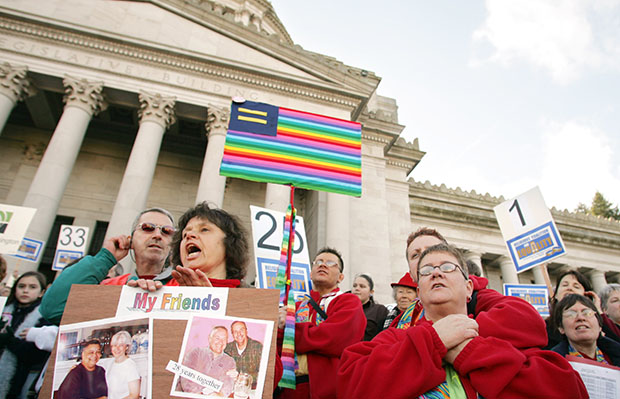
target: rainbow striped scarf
600 358
284 283
414 312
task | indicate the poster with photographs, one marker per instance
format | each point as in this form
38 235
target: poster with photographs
108 357
222 357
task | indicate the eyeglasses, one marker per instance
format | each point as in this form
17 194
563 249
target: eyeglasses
446 267
328 263
150 227
572 314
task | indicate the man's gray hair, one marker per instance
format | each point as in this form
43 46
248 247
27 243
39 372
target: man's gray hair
606 293
134 225
214 329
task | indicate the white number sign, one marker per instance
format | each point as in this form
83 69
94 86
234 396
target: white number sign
71 245
530 233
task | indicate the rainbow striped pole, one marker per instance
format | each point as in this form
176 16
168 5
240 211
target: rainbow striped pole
286 296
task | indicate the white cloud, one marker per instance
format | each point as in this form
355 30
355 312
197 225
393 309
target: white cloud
578 162
563 37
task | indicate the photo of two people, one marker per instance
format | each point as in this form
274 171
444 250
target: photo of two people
229 353
103 358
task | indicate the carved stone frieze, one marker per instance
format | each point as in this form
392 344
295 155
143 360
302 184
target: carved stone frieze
33 153
157 108
14 82
217 120
85 94
191 67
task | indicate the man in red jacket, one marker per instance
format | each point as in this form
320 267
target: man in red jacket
322 335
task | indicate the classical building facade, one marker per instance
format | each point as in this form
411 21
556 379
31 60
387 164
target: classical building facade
109 107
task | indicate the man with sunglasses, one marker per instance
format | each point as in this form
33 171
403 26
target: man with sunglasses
149 244
326 322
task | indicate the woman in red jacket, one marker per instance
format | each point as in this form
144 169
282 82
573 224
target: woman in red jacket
446 353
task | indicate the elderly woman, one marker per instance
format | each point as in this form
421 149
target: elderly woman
581 324
404 293
121 372
87 379
570 282
610 304
459 358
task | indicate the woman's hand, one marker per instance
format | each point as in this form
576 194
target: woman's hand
281 317
595 298
455 328
454 352
191 277
147 285
24 333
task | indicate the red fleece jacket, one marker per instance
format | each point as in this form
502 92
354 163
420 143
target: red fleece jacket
503 362
323 344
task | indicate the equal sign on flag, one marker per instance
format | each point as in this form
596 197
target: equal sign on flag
279 145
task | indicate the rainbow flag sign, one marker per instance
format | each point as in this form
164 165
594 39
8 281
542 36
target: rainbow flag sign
278 145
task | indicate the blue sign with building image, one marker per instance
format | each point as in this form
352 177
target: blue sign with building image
536 295
536 246
300 276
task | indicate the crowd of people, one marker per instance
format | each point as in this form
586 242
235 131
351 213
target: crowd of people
447 334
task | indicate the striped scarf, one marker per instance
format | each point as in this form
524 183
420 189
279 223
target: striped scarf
283 282
415 311
452 387
600 358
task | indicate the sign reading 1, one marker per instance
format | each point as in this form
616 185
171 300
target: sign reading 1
515 205
298 242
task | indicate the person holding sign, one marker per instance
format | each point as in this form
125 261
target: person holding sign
326 322
446 355
581 324
150 239
209 249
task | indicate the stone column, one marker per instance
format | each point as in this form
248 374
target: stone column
509 273
337 231
475 257
83 99
14 86
597 277
539 276
277 197
212 185
156 115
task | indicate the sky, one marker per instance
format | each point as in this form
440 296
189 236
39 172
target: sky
502 95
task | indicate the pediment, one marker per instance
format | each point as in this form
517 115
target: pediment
179 28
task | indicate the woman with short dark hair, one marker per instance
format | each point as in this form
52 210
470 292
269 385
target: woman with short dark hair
581 324
87 379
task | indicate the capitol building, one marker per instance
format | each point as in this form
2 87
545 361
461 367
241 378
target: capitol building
108 107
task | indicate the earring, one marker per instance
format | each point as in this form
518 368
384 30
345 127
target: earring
468 298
